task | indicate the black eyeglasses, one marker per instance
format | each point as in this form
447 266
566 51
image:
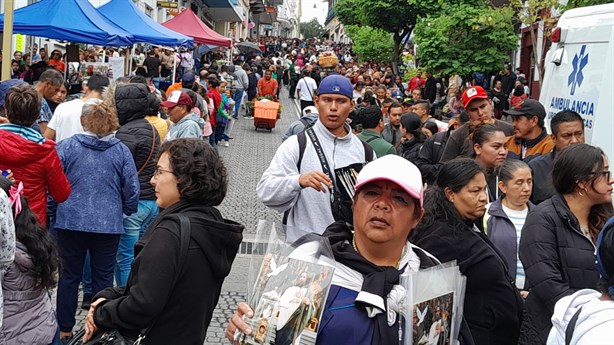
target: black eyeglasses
159 171
607 174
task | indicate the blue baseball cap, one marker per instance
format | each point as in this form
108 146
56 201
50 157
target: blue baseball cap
336 84
6 85
397 94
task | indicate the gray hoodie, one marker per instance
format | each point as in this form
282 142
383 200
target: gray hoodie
241 82
191 126
279 188
298 126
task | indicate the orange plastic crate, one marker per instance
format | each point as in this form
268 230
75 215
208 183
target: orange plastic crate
265 114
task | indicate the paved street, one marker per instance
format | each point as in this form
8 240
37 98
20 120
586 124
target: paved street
248 155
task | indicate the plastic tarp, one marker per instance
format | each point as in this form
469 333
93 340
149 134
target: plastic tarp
125 15
189 24
68 20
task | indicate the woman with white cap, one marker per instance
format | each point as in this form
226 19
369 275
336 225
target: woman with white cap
371 257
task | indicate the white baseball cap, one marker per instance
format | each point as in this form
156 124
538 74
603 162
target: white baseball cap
395 169
311 109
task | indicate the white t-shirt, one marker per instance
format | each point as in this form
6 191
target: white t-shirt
517 218
66 120
305 87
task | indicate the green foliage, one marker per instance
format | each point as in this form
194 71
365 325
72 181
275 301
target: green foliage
582 3
312 29
466 38
397 17
371 44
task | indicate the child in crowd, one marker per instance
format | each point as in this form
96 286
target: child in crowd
29 316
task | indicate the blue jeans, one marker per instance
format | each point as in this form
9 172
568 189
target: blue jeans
237 97
134 227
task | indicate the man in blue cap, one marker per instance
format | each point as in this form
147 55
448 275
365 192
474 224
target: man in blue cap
299 180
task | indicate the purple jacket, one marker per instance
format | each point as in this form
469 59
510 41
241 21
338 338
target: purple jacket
29 317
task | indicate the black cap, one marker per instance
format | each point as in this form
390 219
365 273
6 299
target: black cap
529 107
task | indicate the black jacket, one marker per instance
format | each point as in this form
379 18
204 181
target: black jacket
541 167
493 307
410 149
182 313
137 133
558 260
430 89
430 155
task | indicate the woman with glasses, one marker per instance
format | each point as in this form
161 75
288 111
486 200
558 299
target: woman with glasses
175 303
557 246
105 186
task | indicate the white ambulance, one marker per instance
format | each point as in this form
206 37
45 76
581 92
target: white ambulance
579 72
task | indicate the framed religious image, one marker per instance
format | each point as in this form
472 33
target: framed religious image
289 297
432 321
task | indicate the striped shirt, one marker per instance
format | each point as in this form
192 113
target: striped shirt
25 132
517 218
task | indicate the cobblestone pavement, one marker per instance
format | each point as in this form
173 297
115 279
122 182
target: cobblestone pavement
248 155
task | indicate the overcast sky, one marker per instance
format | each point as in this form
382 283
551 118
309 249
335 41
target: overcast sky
319 12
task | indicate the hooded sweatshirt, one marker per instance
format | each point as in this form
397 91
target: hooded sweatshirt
181 313
309 210
191 126
595 324
104 183
137 133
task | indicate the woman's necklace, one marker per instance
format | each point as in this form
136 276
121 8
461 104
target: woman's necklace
398 262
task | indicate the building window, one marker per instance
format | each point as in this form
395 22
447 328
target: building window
148 11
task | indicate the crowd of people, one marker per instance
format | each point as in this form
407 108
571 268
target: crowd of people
112 186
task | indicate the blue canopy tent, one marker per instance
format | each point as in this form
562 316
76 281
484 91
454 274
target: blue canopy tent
127 16
68 20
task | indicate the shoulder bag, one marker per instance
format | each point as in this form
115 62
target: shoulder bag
113 336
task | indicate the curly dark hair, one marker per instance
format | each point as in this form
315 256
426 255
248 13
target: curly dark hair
201 175
38 242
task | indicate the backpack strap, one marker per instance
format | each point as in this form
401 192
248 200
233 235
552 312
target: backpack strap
305 123
368 152
302 143
185 232
571 326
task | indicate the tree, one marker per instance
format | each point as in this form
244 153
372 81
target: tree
466 38
397 17
371 44
312 29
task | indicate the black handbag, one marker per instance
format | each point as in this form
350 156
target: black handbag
113 336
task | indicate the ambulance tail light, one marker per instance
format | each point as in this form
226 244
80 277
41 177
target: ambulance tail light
556 35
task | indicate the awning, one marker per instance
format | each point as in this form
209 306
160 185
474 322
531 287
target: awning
225 10
74 21
125 15
190 25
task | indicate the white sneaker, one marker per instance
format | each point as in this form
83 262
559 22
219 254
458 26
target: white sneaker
226 143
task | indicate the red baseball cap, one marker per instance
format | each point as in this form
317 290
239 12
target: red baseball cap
474 92
177 98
